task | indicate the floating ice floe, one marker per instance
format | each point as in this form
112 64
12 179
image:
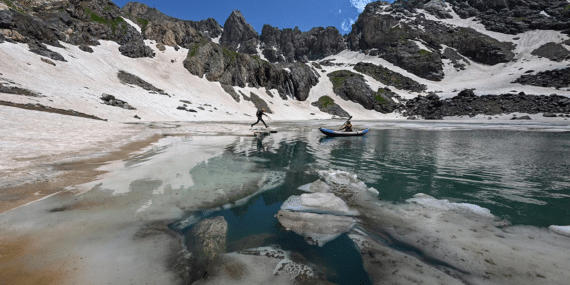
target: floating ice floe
560 230
319 203
319 217
317 229
445 205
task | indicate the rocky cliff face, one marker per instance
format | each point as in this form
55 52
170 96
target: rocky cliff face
290 45
168 30
228 67
516 16
393 34
74 22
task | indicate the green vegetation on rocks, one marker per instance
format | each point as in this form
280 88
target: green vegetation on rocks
113 23
196 46
232 55
424 52
338 77
325 101
378 96
142 22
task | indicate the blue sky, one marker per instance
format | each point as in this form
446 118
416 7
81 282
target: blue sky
304 14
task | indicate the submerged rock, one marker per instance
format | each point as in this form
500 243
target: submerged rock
207 241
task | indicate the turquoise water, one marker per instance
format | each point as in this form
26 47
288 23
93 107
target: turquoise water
521 176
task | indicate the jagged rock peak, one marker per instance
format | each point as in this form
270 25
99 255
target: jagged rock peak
239 35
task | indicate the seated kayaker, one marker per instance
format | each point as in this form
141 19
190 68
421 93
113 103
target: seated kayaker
347 127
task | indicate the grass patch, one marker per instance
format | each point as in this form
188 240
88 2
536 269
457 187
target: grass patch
424 52
96 18
196 46
567 8
326 101
142 22
338 77
9 3
378 96
230 53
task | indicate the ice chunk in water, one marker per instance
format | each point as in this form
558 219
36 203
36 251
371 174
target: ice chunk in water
561 230
326 203
316 228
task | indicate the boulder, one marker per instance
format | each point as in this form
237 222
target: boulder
136 50
86 48
207 240
552 51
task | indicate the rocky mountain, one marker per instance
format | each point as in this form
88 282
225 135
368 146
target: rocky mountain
402 57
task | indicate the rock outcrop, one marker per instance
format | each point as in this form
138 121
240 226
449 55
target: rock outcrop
552 51
514 16
112 101
228 67
326 104
558 78
351 86
290 45
389 77
466 103
127 78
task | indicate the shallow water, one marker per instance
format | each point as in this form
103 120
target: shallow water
520 176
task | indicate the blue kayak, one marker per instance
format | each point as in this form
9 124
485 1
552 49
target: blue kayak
332 133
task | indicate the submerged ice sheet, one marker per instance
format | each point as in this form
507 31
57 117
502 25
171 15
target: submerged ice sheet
445 205
440 242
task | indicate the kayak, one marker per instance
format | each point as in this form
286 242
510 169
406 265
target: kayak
332 133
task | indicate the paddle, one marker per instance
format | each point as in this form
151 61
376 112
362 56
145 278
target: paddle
345 123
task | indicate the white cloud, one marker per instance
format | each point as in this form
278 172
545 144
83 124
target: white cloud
360 4
347 24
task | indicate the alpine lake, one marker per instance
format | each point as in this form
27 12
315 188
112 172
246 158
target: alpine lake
521 174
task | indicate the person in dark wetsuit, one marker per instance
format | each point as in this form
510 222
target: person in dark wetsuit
259 115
